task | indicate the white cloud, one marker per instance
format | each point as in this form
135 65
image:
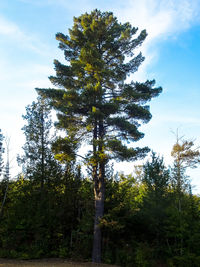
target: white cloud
11 31
172 119
162 19
8 28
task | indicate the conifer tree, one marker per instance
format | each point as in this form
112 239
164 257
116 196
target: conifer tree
156 180
1 152
93 100
6 174
156 176
185 156
38 160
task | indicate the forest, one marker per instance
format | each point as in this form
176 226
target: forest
68 201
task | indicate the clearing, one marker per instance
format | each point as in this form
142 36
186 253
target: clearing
48 263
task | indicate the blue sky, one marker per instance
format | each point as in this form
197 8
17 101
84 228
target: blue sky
172 50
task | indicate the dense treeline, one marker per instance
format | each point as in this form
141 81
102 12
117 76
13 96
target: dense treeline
55 209
142 224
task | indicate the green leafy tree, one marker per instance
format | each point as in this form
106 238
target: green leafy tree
93 100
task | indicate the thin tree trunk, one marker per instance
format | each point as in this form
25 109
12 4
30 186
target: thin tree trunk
4 199
179 202
43 151
6 176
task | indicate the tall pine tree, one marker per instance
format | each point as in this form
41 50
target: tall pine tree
93 100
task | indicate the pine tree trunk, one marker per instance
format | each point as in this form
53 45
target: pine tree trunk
99 195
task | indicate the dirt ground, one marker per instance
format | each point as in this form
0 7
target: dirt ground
48 263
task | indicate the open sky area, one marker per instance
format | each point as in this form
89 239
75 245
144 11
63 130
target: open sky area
172 51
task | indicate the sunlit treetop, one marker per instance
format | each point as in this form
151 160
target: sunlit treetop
92 86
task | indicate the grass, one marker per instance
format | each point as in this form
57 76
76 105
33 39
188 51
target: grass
48 263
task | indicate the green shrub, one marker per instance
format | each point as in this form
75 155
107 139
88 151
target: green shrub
187 260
